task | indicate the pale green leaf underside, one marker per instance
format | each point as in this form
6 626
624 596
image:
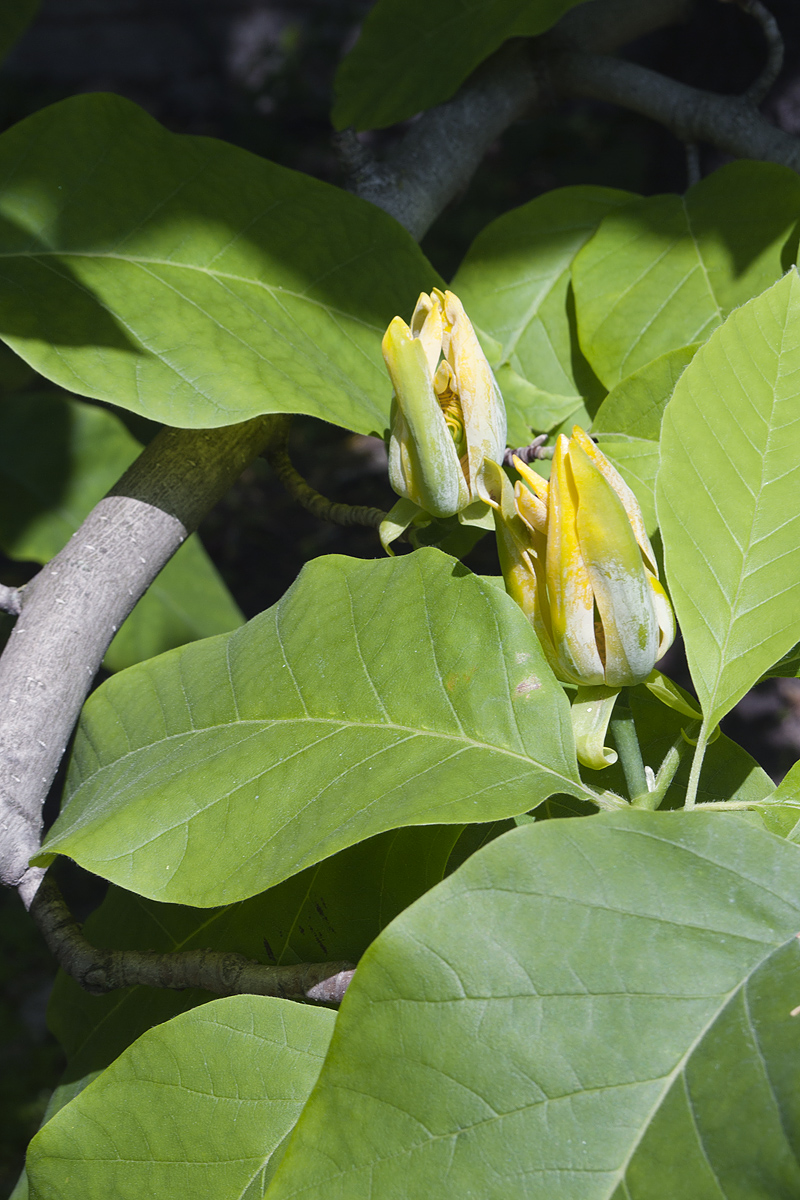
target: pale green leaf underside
636 405
666 271
514 283
187 280
587 1009
195 1107
727 497
412 54
58 458
374 695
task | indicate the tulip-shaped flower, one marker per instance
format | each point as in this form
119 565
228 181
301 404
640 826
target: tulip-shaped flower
447 419
576 557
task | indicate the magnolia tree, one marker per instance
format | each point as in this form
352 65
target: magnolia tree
422 883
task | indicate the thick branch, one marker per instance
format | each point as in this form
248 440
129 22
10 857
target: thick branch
75 605
441 151
227 974
731 123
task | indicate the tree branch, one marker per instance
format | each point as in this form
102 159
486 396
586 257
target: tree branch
99 971
75 605
731 123
441 151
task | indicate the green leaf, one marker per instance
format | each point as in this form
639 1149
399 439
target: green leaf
587 1009
373 695
195 1107
189 281
666 271
636 405
15 17
329 912
727 498
515 284
58 458
413 54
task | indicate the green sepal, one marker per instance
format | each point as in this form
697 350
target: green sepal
591 713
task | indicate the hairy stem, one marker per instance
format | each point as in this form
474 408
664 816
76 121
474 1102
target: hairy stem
277 455
623 731
227 974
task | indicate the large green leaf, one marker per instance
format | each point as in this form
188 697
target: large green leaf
727 498
373 695
636 405
413 54
587 1009
58 457
195 1107
192 282
515 284
666 271
329 912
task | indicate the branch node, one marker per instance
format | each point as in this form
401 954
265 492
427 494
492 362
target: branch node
10 600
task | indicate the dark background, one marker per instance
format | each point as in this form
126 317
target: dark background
260 75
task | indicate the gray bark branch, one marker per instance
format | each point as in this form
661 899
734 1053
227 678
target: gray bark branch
75 605
227 974
440 152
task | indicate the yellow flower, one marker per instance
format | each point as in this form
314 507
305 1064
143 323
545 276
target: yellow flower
447 419
575 555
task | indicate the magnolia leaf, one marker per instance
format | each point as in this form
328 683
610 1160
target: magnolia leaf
189 281
635 406
666 271
373 695
727 495
412 54
195 1107
515 284
591 1009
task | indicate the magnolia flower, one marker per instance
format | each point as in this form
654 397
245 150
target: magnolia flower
575 555
447 418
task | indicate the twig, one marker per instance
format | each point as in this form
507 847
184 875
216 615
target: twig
775 48
277 455
693 174
75 605
10 600
228 974
528 454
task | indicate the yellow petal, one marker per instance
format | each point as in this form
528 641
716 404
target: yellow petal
613 563
569 589
629 501
423 462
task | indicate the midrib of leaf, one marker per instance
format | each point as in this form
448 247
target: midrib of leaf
274 290
269 723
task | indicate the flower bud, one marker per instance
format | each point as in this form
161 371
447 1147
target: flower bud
576 556
447 418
